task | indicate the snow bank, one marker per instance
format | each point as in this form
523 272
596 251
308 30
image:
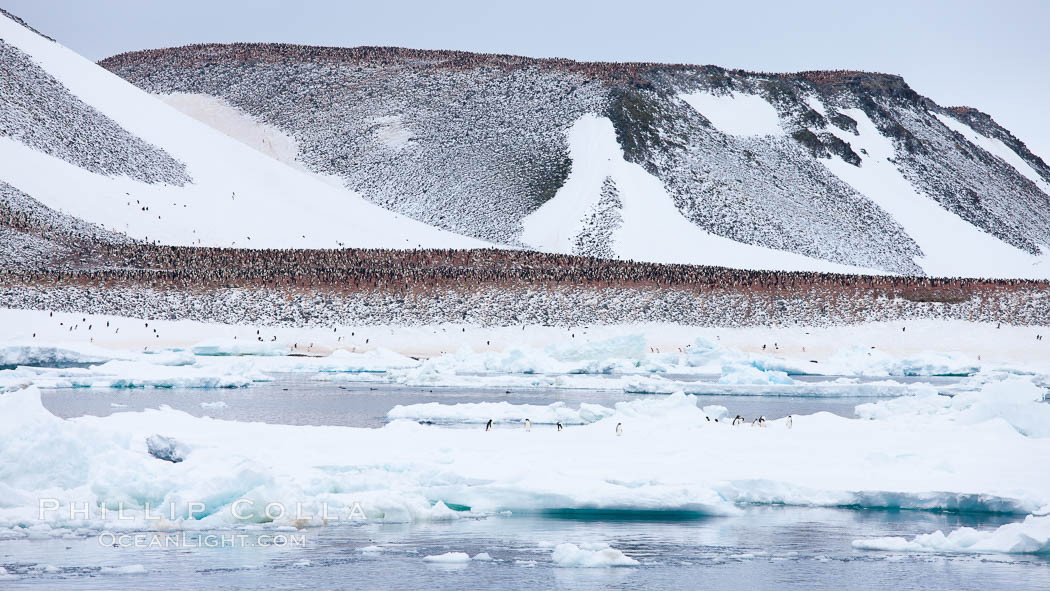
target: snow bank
1031 536
590 556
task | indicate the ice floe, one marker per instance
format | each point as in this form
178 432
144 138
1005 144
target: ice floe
1031 536
590 556
500 412
137 374
978 451
448 558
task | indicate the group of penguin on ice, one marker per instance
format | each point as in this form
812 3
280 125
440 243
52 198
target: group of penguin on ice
737 420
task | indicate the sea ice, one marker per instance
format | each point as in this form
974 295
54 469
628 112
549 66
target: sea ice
500 412
1031 536
590 556
972 452
131 569
448 558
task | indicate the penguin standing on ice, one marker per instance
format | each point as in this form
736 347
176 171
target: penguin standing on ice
737 420
488 425
619 429
789 421
528 425
762 421
559 426
754 423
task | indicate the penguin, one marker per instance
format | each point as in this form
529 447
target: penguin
528 425
754 423
488 425
789 421
762 421
559 426
619 429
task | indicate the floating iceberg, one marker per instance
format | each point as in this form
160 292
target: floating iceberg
1031 536
137 374
45 356
131 569
749 374
590 556
500 412
448 558
868 362
234 347
767 384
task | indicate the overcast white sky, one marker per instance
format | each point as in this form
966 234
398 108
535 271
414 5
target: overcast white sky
993 55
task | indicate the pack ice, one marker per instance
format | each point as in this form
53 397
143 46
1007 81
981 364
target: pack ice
977 452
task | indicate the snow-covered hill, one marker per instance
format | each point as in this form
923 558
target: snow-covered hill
78 142
817 170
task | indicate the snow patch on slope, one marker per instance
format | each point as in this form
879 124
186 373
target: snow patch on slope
241 126
816 104
736 113
652 228
238 196
997 148
950 245
392 133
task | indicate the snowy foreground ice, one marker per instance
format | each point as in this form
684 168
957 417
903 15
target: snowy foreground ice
982 450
